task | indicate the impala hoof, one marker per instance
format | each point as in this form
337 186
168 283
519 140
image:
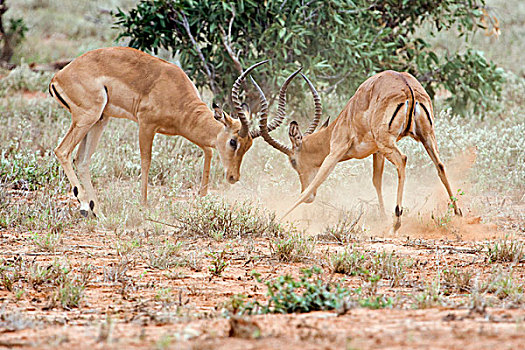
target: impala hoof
232 179
397 224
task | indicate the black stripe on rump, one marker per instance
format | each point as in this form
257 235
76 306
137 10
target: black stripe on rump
428 114
394 115
411 108
49 88
60 97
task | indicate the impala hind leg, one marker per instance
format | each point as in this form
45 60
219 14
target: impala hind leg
430 145
377 179
146 135
208 153
83 160
394 155
63 152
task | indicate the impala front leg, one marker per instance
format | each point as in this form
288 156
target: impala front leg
208 153
146 135
326 168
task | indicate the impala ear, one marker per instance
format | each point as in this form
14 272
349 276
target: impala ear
217 112
221 116
227 120
295 135
326 123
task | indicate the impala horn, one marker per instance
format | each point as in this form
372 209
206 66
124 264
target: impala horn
237 102
318 107
263 122
277 121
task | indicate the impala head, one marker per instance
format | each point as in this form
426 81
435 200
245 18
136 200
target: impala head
236 138
302 159
231 143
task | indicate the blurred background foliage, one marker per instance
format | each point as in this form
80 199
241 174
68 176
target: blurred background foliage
338 43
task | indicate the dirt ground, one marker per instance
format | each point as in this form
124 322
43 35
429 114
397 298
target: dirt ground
183 307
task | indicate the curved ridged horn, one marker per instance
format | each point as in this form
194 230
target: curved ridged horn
318 107
276 122
237 102
263 124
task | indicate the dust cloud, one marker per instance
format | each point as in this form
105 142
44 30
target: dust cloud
426 214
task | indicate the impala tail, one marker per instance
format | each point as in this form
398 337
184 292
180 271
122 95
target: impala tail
54 93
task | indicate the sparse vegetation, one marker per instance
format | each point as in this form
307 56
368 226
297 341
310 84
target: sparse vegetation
162 254
347 228
219 262
213 217
431 296
295 246
456 280
507 249
363 263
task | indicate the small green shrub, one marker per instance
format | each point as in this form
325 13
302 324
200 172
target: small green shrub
455 280
293 247
502 284
212 217
431 296
219 262
349 262
162 255
384 265
505 250
288 295
346 229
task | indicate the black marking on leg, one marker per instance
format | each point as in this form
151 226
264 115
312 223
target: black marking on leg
441 167
428 114
60 97
91 205
398 211
75 191
394 115
84 213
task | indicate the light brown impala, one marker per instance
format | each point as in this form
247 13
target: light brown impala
386 107
127 83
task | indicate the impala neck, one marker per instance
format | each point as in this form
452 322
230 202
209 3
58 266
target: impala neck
201 127
317 145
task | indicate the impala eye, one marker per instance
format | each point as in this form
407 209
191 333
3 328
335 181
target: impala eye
233 143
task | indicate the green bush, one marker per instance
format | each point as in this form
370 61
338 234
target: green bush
338 43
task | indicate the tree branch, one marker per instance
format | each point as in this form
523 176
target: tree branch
227 42
209 72
6 52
